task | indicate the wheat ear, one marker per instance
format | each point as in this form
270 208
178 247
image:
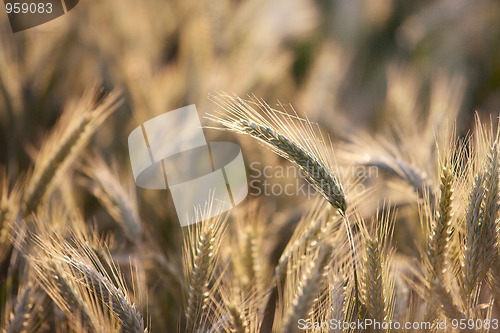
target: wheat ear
472 263
71 133
319 176
445 300
118 198
9 210
337 297
71 284
238 323
62 290
21 314
241 119
490 210
405 170
131 320
440 236
249 259
309 288
310 236
202 263
373 286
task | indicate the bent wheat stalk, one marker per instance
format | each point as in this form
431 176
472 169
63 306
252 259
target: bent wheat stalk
242 118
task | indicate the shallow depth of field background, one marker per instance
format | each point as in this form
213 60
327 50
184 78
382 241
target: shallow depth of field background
362 69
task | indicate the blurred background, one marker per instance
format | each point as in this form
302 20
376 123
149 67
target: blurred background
359 68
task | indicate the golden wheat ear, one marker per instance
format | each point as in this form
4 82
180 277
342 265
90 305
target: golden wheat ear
76 280
297 140
117 196
377 276
69 136
201 251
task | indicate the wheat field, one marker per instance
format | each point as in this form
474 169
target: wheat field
370 134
